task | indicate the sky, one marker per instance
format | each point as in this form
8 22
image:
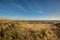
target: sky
30 9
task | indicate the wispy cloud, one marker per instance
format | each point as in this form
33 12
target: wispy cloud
19 5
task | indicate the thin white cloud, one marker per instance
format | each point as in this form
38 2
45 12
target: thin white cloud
20 6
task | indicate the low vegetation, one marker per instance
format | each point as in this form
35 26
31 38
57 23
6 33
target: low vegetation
23 30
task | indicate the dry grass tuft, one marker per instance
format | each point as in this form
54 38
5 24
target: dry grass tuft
13 30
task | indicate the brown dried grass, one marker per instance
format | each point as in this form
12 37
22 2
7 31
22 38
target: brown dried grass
12 30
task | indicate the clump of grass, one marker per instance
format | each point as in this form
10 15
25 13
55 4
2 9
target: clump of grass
25 31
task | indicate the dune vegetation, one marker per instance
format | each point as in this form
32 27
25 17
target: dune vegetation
23 30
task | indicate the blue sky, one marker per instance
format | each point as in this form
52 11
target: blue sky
30 9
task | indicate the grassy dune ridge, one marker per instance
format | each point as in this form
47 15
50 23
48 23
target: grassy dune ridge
24 30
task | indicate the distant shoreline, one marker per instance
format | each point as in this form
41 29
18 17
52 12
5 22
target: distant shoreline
30 20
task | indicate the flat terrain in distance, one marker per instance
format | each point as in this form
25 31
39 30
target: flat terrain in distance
29 30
